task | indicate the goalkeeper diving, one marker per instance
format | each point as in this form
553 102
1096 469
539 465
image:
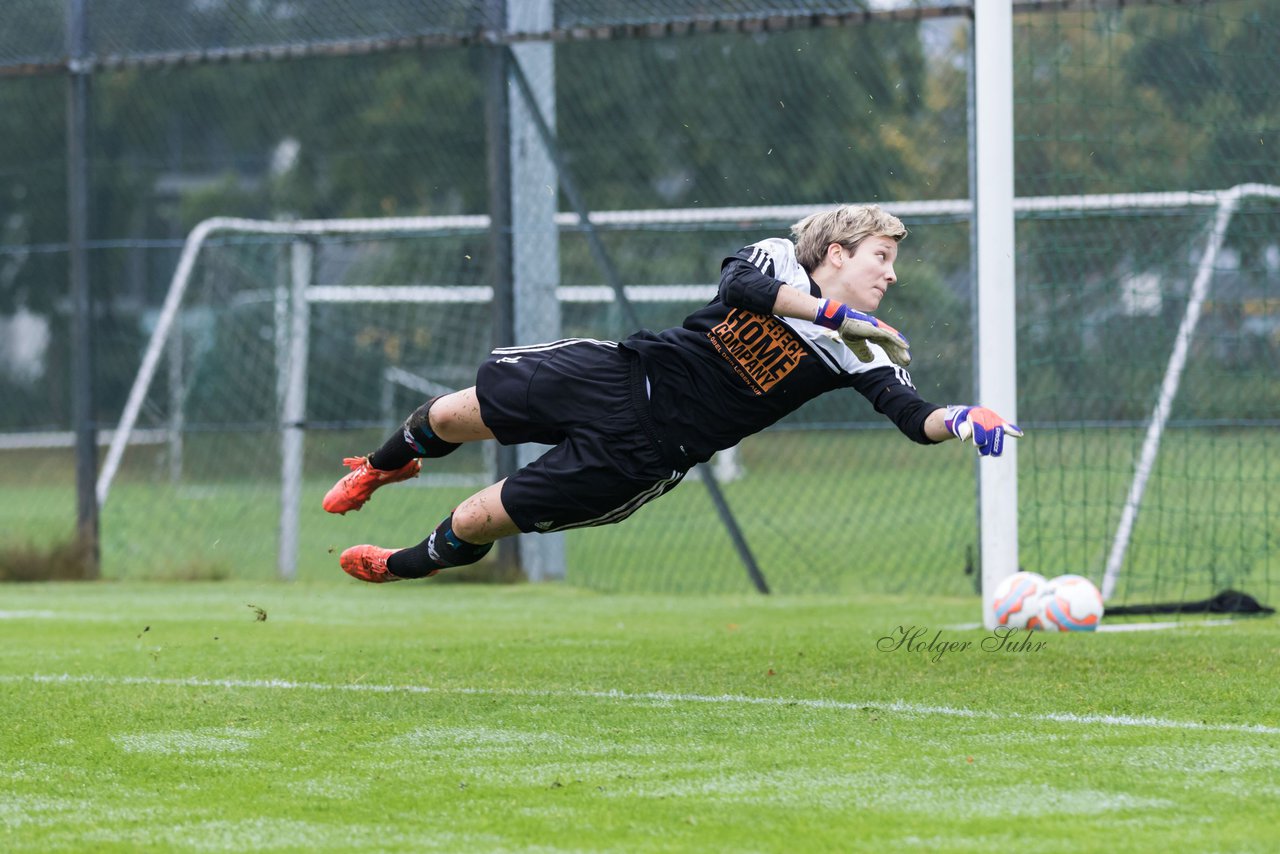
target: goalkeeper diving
792 320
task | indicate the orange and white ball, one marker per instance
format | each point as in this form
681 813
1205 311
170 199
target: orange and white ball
1017 598
1069 603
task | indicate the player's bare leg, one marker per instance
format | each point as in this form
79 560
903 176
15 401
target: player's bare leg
433 430
456 417
482 518
463 538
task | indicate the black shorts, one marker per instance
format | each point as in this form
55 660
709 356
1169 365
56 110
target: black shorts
585 397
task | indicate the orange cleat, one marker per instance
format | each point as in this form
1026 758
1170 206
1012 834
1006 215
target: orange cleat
368 563
357 487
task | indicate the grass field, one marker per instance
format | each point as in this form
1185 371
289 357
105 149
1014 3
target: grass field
239 716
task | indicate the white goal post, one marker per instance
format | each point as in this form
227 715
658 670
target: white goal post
292 323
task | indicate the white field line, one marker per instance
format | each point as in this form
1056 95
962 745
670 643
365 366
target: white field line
1122 627
1152 627
897 706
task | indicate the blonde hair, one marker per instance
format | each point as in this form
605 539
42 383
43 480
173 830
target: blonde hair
847 225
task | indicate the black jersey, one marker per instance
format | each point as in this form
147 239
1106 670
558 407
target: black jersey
733 368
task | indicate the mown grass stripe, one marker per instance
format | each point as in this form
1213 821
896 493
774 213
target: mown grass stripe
896 707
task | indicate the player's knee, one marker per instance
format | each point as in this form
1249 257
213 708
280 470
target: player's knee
418 430
421 418
482 518
447 418
468 522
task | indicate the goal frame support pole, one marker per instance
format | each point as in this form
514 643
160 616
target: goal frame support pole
293 406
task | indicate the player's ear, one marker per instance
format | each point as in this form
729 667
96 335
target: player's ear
835 253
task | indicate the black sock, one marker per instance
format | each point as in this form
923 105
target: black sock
414 440
442 550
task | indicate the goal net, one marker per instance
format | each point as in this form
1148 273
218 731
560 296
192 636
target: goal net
1147 362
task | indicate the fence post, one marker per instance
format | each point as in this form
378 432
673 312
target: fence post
87 516
606 264
535 238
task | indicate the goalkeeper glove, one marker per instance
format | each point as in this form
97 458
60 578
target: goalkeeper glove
855 329
984 426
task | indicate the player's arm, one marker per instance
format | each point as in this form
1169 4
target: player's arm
747 282
892 394
890 391
852 328
793 303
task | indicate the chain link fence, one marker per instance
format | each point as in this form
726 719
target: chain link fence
319 110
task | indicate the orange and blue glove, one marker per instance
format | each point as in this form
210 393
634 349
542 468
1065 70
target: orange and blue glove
855 329
984 426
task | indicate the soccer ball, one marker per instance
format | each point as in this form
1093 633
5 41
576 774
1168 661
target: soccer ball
1016 599
1070 603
